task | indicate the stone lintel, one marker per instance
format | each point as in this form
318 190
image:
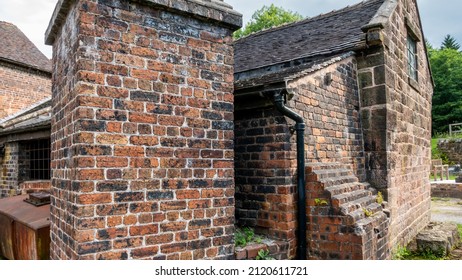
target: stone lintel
215 10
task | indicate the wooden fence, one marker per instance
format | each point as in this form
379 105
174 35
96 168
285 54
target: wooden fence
455 128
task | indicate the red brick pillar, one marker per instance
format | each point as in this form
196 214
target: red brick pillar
142 129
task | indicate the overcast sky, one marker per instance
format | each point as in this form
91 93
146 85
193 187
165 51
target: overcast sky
439 17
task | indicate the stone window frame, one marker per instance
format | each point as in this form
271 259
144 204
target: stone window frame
413 38
412 63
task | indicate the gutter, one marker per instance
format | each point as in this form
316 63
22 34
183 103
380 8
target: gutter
278 100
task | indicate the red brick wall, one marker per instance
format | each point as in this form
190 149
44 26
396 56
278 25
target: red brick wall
142 135
266 150
265 174
20 88
328 100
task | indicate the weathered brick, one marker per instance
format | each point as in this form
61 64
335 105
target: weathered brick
171 248
173 226
111 162
144 96
111 186
144 140
159 195
111 139
128 196
111 233
93 247
113 209
98 198
128 242
144 230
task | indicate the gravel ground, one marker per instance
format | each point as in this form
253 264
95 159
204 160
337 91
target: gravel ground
447 210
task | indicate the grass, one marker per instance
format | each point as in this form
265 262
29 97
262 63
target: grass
435 143
451 177
459 227
440 199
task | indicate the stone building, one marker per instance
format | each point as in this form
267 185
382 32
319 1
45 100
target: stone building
165 134
25 89
358 79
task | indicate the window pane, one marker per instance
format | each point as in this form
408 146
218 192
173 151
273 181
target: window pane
412 57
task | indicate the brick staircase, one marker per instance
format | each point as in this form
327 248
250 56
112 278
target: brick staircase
344 211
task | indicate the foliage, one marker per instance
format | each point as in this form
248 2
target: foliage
429 255
320 202
244 236
265 18
367 212
437 153
264 255
379 198
446 65
450 43
403 253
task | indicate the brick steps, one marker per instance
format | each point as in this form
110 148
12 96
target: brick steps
329 173
345 187
318 166
348 197
360 203
339 180
360 213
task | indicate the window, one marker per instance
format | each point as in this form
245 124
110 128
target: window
34 160
412 57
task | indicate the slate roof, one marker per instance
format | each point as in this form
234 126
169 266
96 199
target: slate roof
324 35
37 116
16 48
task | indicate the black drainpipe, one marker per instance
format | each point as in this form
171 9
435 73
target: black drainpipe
278 100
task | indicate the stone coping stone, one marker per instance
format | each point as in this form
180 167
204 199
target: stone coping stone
216 10
439 238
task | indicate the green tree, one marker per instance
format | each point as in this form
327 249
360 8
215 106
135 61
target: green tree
265 18
450 43
446 67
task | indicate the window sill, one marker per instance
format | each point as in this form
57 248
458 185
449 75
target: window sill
414 84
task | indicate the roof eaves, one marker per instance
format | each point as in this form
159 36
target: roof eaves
342 48
45 124
319 66
26 65
25 111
